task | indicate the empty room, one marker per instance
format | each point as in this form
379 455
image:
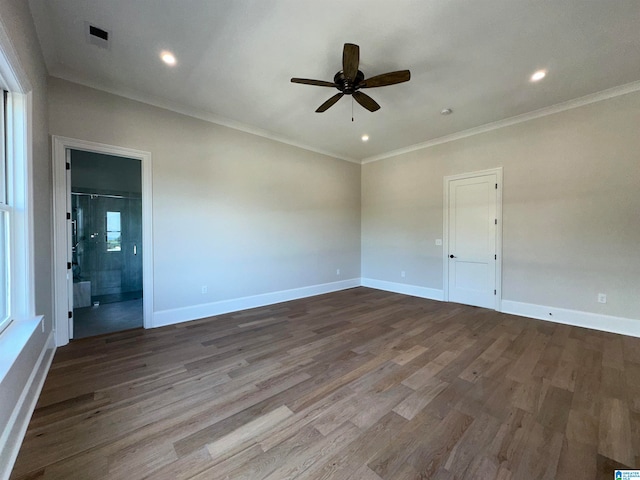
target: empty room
277 239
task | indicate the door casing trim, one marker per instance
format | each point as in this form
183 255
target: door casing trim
445 231
60 145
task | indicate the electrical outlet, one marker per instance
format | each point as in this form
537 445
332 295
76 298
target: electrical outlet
602 298
338 271
204 289
438 241
402 274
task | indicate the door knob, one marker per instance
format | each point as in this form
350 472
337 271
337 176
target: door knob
452 256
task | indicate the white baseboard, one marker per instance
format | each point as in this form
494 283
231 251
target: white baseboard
605 323
16 427
195 312
404 288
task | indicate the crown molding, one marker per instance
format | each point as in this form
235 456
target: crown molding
525 117
195 113
12 75
235 125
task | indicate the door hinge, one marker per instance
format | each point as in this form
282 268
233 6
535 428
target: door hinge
68 216
495 292
495 257
496 186
68 166
70 314
68 265
495 221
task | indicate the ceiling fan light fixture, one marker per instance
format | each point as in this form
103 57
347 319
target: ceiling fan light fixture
350 80
168 58
539 75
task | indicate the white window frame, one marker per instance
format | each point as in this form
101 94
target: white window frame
5 216
21 287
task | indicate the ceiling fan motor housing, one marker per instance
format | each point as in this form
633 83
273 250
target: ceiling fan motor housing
345 85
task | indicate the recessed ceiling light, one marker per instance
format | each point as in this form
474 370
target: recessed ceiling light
365 138
539 75
168 58
446 111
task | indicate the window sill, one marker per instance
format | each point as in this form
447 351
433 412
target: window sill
14 339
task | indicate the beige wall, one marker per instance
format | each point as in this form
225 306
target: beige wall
16 22
571 205
245 215
239 213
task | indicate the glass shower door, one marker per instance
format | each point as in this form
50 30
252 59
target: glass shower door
108 246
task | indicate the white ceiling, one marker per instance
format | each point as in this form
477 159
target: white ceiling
236 57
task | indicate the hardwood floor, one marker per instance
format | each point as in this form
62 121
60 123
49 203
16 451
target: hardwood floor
359 384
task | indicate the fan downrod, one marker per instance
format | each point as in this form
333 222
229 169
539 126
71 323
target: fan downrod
345 85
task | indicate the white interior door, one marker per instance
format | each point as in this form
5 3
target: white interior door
472 240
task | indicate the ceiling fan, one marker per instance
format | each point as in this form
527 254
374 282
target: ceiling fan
350 80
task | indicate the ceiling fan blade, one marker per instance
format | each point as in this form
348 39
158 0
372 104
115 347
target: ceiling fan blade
319 83
350 60
325 106
385 79
366 101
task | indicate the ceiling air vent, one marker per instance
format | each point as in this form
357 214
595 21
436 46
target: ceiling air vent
96 35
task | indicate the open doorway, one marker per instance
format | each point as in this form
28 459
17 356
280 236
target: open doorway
106 243
100 218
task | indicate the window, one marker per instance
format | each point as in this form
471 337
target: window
16 275
114 233
5 213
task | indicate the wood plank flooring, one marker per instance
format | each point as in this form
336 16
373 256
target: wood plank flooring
359 384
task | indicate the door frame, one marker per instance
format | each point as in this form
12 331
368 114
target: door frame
445 239
61 188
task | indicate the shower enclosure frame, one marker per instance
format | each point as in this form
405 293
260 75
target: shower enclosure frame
63 278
